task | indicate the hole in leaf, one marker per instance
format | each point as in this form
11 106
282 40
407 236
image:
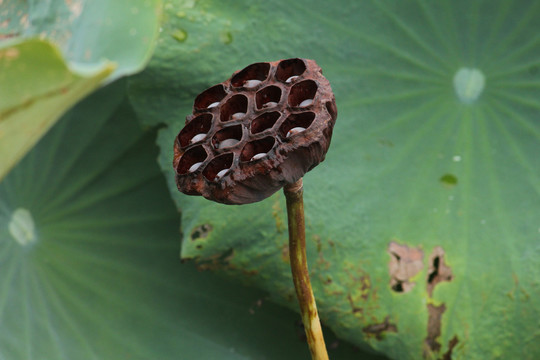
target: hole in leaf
405 263
192 160
262 146
438 271
264 122
301 92
218 165
209 97
200 232
235 108
268 97
257 71
197 126
227 137
296 121
290 68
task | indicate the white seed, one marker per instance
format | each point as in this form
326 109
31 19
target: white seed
213 105
238 115
295 130
198 137
291 79
258 156
306 102
221 174
194 167
269 104
228 143
251 83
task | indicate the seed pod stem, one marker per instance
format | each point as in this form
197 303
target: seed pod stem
302 284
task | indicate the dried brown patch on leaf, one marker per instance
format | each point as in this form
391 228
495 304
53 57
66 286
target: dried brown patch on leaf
277 214
216 262
285 252
433 328
355 309
378 330
451 344
438 271
405 263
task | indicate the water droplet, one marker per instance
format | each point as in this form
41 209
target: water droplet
456 158
134 10
226 37
132 31
22 227
449 179
180 35
469 84
483 222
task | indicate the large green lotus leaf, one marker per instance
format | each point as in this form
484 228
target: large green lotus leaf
423 222
34 94
89 265
97 39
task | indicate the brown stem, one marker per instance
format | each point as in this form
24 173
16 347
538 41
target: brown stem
300 274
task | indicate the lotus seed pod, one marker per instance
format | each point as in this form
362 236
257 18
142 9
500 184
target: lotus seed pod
248 136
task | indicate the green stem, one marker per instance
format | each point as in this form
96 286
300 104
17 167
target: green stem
302 284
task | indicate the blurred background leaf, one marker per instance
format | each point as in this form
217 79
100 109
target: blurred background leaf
423 220
81 43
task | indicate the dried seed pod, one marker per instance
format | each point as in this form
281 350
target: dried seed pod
266 126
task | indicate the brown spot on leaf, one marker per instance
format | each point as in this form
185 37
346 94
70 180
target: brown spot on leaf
378 330
277 214
405 263
438 271
200 232
216 262
451 344
285 252
355 309
434 328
